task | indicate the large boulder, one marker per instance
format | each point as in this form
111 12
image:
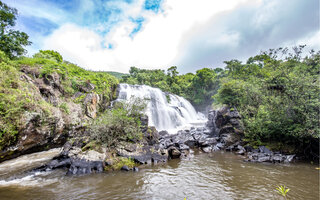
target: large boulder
226 124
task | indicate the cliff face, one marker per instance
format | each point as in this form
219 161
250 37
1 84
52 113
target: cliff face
40 111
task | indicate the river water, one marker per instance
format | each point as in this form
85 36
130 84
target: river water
219 175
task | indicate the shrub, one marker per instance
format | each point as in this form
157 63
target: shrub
122 123
49 54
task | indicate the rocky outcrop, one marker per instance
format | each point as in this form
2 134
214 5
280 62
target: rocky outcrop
225 121
56 117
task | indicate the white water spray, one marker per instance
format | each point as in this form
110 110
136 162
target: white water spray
169 114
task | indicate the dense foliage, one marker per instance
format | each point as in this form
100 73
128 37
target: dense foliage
12 42
122 123
118 75
277 94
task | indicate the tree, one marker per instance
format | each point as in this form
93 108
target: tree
12 42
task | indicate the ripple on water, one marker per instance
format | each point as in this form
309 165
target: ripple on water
206 176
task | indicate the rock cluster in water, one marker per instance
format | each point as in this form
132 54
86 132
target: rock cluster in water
223 131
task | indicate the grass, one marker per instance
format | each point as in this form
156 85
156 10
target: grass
119 162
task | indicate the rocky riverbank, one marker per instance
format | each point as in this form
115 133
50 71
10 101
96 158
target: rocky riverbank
223 131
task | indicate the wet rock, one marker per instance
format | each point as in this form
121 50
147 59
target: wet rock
263 149
207 149
248 148
80 166
263 158
240 150
125 168
207 142
278 158
135 169
174 152
163 134
289 158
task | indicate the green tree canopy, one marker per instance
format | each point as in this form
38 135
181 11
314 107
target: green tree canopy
12 42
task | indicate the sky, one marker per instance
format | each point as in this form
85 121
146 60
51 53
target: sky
113 35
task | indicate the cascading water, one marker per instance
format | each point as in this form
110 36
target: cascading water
165 111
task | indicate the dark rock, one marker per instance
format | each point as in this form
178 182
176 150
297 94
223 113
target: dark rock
289 158
86 88
183 147
207 149
174 152
248 148
207 142
241 152
125 168
135 169
80 166
278 158
217 147
151 136
263 158
163 134
263 149
158 158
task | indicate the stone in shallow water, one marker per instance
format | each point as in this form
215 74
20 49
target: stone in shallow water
125 168
264 159
289 158
208 142
207 149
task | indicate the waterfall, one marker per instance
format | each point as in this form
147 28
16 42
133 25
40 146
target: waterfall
165 111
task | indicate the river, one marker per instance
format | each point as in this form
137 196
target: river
219 175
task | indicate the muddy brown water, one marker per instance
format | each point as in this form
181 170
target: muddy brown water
220 175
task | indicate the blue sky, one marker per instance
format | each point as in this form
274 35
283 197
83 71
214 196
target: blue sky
114 35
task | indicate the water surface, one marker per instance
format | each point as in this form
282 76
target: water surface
220 175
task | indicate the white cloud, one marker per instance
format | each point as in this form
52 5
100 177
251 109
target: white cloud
187 33
156 45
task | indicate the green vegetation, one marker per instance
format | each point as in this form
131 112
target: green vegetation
118 75
12 42
277 98
49 54
73 77
122 123
14 99
119 162
282 190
